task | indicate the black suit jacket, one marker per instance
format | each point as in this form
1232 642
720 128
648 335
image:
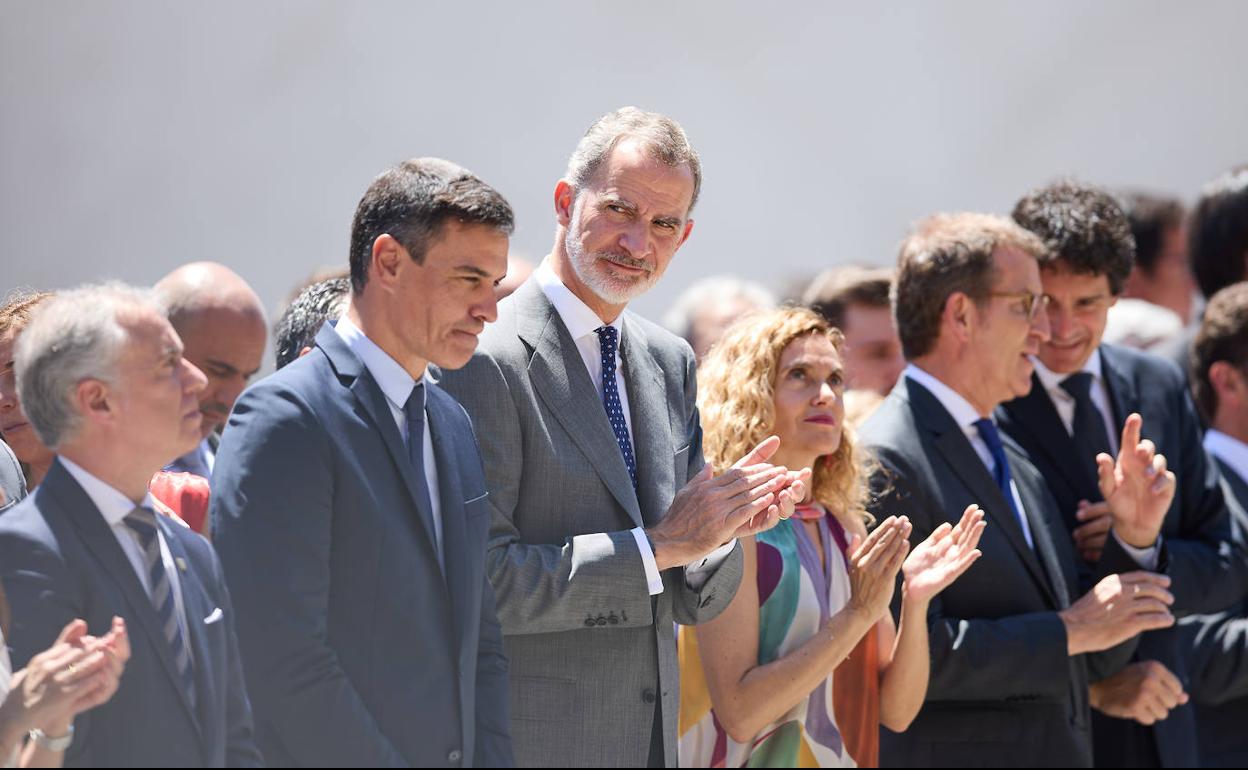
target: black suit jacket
1003 690
358 650
59 561
1218 646
1208 572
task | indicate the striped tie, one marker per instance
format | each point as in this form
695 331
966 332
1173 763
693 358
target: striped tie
142 521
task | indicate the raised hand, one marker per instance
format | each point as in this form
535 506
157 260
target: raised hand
942 558
1137 487
874 564
1116 609
710 510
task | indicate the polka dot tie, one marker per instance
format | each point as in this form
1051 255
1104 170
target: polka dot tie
608 339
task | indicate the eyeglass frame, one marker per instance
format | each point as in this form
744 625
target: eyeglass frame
1032 303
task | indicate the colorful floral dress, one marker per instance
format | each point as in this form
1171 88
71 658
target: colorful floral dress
797 595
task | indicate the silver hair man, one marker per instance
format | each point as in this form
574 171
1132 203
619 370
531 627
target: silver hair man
704 311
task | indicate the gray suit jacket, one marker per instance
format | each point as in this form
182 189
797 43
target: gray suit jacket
589 650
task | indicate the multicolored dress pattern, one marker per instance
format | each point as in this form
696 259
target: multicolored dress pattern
796 595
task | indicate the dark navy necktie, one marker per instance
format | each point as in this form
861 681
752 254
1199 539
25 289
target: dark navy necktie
415 411
142 521
1000 464
1087 429
608 341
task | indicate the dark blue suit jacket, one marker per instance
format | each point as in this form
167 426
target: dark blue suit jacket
358 651
1207 571
1004 692
59 560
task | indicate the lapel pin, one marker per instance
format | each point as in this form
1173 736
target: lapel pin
181 563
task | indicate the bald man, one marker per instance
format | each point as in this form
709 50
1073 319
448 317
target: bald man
224 330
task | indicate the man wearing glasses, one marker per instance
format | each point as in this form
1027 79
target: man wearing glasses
1082 393
1012 642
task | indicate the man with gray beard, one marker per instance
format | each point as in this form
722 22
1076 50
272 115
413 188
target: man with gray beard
607 527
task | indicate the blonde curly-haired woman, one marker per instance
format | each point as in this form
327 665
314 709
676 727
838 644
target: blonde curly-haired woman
758 681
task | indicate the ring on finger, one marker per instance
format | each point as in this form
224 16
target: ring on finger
71 668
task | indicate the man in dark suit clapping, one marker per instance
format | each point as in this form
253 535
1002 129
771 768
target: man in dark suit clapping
1009 640
349 502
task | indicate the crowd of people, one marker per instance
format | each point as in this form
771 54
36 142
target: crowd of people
983 508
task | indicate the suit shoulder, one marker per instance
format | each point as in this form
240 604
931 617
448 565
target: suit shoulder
26 536
1147 368
663 344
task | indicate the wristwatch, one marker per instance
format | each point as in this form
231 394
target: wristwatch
58 744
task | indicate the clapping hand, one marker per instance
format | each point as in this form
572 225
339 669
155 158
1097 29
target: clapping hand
874 564
1137 487
940 559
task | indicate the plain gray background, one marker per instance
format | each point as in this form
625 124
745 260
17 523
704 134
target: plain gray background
135 136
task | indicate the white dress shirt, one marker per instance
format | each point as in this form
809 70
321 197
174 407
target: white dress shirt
582 323
966 416
1064 403
1229 450
114 507
396 384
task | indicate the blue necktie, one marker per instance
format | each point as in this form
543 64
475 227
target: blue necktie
142 521
608 339
415 411
1000 465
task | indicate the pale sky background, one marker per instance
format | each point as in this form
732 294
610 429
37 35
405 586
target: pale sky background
135 136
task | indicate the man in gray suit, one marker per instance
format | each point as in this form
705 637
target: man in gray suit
606 526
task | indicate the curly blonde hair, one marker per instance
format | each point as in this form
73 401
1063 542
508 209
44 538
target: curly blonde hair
736 398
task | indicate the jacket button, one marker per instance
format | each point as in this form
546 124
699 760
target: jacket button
602 620
613 619
647 695
454 756
590 622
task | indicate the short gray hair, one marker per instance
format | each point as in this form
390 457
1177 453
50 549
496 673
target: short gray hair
74 336
661 136
711 292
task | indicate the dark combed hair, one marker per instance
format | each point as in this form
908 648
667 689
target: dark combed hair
1218 232
412 201
1083 227
835 289
1151 217
1223 336
306 314
944 254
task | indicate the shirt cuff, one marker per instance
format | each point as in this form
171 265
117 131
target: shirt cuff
1145 557
653 580
699 572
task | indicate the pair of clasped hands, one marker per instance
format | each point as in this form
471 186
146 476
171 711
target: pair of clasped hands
76 674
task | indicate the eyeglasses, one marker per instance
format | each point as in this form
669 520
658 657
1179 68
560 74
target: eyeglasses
1032 303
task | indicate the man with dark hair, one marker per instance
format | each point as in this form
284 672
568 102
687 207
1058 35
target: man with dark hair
607 527
295 333
1081 396
1219 665
856 300
1010 640
350 505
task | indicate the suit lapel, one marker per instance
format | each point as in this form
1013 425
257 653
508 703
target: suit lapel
1032 489
77 508
454 530
652 430
369 396
562 382
1123 396
967 465
1037 416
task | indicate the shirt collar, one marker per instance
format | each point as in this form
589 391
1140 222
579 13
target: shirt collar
1229 450
1052 381
392 378
112 504
575 314
958 407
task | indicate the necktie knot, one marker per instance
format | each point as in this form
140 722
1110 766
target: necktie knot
143 522
988 432
1078 385
608 340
